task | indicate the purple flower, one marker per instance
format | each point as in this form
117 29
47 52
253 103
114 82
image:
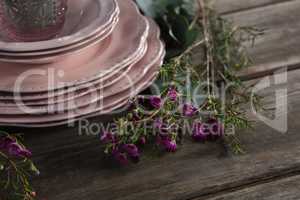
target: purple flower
166 142
156 102
5 142
15 149
108 137
142 140
200 131
25 153
172 94
121 158
170 145
189 110
131 149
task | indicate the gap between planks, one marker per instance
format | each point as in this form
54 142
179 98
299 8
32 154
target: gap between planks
265 178
287 189
227 7
279 47
194 172
268 178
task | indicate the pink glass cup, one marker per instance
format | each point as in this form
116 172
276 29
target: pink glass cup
31 20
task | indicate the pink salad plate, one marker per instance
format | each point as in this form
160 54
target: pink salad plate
92 87
118 107
55 55
6 99
63 95
97 36
106 105
101 35
115 108
96 94
75 100
125 43
84 19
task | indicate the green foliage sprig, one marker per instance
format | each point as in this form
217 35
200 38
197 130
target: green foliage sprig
203 50
177 22
16 168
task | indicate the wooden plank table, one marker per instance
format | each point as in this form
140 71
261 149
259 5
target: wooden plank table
74 168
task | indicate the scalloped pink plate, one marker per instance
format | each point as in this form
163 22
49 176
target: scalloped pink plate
83 20
111 108
111 103
74 100
54 55
64 95
95 96
125 44
41 98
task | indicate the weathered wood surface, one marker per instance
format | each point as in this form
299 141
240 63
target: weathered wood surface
287 188
280 44
73 167
231 6
276 49
197 171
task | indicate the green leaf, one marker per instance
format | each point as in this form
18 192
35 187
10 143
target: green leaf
191 36
179 26
147 7
34 169
158 8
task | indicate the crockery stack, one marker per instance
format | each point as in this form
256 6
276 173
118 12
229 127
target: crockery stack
104 53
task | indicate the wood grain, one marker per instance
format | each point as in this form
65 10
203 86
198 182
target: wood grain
73 166
287 189
231 6
280 45
196 171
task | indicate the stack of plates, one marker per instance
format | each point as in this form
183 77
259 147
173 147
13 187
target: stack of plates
106 53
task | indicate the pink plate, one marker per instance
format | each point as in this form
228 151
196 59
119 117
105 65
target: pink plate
125 43
83 20
97 92
71 93
107 105
97 37
7 99
109 110
55 55
76 99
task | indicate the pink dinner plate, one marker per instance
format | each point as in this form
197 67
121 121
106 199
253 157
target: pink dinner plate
6 99
109 110
107 105
83 20
75 99
97 93
74 92
125 43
